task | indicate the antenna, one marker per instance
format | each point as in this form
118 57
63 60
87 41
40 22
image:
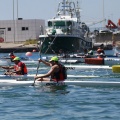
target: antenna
103 15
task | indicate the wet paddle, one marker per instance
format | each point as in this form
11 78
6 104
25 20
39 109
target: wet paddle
36 72
39 49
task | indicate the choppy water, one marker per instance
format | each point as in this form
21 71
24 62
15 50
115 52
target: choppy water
68 103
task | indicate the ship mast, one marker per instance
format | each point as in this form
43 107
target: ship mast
64 5
69 8
78 12
103 15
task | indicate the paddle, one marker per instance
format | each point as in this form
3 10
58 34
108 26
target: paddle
39 49
36 72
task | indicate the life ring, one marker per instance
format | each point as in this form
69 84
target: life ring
116 68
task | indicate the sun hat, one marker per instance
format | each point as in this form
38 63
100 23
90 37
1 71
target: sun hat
16 58
55 58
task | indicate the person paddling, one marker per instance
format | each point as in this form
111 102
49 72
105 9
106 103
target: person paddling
100 53
19 68
12 56
56 73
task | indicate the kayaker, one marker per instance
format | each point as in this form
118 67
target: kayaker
89 54
100 50
12 56
100 53
56 73
61 54
19 68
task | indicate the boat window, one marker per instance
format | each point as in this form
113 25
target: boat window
59 23
69 23
49 23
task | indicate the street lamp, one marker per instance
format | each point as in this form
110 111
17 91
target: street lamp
13 24
103 15
17 9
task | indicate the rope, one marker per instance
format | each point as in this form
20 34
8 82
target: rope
50 46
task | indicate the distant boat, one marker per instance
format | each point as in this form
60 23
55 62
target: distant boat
66 31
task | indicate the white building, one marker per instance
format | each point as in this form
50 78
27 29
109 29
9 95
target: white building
20 30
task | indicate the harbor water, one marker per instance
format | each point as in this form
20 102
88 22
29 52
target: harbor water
66 103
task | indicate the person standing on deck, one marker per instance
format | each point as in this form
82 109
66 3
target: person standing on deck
56 73
19 68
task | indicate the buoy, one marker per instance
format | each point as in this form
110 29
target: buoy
28 54
116 68
34 50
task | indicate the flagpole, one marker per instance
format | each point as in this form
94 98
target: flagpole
17 9
103 15
13 24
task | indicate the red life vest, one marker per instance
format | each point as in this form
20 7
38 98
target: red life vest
61 75
100 51
23 67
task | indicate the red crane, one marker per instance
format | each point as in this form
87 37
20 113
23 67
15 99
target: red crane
111 25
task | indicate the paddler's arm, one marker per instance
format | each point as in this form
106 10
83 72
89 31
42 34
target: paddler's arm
45 62
42 76
52 70
7 67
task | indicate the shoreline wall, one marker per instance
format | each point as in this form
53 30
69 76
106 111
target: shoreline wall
106 39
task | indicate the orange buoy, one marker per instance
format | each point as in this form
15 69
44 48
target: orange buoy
28 54
34 50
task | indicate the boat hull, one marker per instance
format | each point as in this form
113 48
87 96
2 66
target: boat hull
31 76
4 83
69 44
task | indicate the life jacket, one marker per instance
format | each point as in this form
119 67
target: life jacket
23 66
61 75
100 51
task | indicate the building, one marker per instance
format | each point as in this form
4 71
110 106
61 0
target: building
20 30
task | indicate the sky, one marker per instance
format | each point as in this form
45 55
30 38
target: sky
91 10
